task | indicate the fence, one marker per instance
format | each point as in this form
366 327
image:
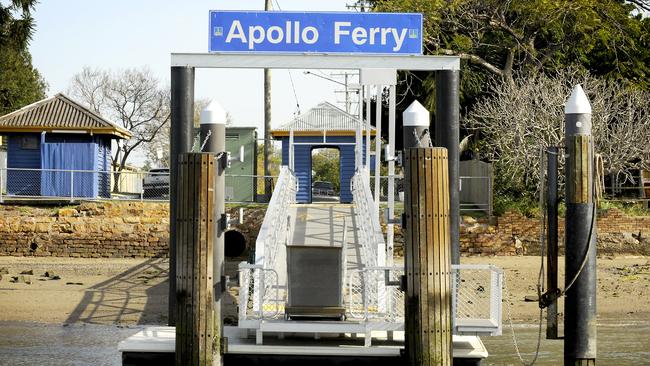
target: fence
475 192
74 185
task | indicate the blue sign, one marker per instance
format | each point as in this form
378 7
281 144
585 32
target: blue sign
321 32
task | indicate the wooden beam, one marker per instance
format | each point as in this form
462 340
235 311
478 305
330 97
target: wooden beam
195 322
427 257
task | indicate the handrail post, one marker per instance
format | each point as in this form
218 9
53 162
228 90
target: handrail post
1 185
71 186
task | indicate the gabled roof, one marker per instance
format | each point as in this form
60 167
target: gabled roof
59 113
323 117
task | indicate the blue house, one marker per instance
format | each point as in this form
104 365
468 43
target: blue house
324 126
58 148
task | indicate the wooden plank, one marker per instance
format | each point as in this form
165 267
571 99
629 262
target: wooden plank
211 212
433 304
200 258
446 257
423 170
586 171
415 214
440 224
180 331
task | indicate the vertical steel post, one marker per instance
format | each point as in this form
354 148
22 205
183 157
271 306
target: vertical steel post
71 186
447 135
368 89
213 138
378 148
180 141
390 233
551 240
268 5
580 222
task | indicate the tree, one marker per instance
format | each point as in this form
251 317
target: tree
499 38
325 164
20 82
132 98
157 151
519 119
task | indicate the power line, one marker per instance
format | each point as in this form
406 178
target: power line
293 86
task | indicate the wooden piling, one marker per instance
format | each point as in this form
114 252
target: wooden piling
427 257
195 220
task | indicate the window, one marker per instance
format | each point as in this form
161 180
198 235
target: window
30 143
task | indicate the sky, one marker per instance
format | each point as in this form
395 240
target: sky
121 34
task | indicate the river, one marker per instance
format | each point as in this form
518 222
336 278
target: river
31 344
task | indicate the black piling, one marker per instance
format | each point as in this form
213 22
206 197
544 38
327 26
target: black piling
551 240
447 135
580 237
181 136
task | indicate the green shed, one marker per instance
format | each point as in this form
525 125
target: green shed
241 181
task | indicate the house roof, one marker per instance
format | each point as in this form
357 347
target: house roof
59 113
323 117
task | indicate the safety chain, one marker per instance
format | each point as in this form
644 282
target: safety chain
205 140
512 329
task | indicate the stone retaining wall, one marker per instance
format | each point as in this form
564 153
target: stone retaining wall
140 229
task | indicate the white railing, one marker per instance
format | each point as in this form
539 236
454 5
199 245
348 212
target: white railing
261 295
476 298
367 219
274 230
475 288
271 297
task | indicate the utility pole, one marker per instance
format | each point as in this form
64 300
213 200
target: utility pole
347 89
267 123
580 237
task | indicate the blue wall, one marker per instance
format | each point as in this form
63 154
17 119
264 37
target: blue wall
59 152
303 168
25 183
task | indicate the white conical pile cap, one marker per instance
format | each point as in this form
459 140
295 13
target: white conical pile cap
578 103
213 114
416 115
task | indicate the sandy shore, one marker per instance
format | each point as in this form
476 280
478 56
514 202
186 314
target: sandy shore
134 291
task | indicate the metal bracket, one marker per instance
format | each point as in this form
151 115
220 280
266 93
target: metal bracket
402 284
220 287
223 222
387 280
224 159
224 345
549 297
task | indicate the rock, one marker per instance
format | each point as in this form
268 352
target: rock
55 277
4 270
531 298
21 279
74 283
67 212
48 274
469 220
27 272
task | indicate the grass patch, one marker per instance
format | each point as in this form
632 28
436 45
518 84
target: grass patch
630 208
522 205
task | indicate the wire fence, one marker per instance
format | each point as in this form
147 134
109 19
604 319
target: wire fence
475 193
18 184
74 185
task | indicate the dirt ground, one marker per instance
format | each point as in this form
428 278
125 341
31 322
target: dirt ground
134 291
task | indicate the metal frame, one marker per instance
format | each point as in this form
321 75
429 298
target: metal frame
313 61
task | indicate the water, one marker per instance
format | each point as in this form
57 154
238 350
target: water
618 344
55 345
